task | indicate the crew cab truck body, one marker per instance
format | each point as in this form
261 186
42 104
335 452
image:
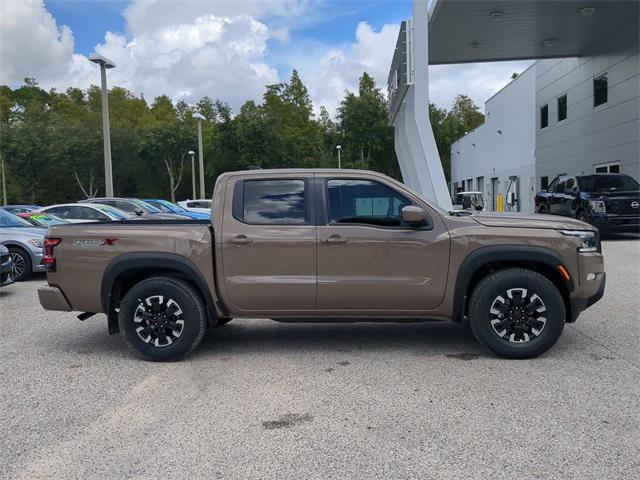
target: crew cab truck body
326 245
608 201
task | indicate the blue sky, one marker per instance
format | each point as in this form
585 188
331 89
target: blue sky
333 22
227 49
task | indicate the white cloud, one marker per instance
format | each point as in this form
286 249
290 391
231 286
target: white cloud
476 80
216 56
31 44
189 49
144 16
329 71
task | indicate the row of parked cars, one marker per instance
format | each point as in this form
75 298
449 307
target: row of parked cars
22 227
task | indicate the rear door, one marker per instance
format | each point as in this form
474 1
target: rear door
269 244
368 260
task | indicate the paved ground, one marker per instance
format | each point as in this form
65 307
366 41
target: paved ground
262 400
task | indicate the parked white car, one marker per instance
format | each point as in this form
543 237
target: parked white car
198 206
85 212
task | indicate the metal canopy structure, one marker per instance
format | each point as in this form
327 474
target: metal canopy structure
465 31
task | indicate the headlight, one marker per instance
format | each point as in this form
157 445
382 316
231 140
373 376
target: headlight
36 242
597 206
590 239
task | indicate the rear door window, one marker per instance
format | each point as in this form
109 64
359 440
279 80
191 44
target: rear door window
62 212
274 202
126 206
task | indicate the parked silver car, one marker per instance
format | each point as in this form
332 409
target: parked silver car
24 242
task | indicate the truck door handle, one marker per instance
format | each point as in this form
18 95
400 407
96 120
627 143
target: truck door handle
241 240
334 240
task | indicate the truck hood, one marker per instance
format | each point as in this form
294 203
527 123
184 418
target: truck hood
518 220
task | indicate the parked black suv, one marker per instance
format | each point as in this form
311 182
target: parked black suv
609 201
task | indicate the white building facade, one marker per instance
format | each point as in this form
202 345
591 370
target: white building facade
571 116
588 112
498 156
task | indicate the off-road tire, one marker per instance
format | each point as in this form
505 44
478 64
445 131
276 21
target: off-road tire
193 314
26 259
494 285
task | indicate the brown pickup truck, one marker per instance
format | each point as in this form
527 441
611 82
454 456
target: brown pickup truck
326 245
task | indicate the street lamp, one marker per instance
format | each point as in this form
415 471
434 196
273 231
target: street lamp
339 147
193 172
199 117
105 63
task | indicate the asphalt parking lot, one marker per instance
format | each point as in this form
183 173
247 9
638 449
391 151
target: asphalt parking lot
260 399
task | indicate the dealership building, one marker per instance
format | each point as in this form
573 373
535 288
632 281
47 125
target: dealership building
574 115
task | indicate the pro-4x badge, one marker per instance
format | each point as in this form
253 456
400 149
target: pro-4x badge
93 242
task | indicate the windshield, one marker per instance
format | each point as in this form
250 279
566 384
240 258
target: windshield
10 220
167 206
45 219
114 212
607 183
147 207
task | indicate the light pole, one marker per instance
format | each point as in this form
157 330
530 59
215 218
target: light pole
4 183
105 63
338 148
193 172
199 117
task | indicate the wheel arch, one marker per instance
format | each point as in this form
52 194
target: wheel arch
128 269
485 260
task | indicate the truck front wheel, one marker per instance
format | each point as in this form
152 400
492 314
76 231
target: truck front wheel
163 319
516 313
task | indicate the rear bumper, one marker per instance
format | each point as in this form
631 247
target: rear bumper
51 298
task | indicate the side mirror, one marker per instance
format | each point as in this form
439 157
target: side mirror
138 211
414 216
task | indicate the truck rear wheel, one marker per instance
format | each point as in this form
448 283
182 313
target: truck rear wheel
516 313
163 319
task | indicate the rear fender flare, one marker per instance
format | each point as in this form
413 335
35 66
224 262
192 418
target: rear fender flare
130 262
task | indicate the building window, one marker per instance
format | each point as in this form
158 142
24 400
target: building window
544 183
600 89
544 116
607 168
562 108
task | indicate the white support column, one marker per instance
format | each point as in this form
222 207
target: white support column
414 141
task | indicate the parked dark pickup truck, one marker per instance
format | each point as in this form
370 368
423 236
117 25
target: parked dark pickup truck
326 245
609 201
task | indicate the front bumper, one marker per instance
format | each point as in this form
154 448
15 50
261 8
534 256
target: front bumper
590 284
616 223
52 298
38 266
6 264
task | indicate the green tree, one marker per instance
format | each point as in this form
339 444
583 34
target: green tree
367 137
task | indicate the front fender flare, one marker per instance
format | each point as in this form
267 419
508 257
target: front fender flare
499 253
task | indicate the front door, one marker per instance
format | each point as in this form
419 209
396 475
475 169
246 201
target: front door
558 199
269 245
368 260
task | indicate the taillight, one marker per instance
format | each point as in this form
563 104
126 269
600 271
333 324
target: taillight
49 260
